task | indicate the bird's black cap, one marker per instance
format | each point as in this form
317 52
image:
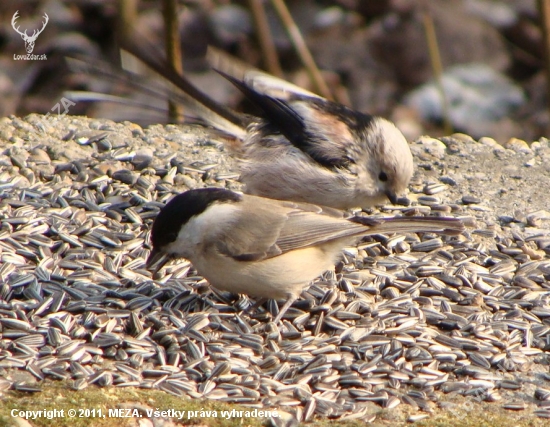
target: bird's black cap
182 208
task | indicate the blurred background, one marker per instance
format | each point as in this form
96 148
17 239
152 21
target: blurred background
377 56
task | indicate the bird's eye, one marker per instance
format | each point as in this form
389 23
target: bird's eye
349 160
171 237
383 176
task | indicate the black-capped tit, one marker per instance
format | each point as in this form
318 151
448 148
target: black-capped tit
262 247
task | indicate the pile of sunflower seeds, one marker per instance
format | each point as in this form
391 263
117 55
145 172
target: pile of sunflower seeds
403 319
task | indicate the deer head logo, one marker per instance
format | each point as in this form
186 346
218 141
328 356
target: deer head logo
29 40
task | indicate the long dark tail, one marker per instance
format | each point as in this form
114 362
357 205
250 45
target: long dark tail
150 57
170 86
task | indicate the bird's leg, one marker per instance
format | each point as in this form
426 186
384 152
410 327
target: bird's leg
284 308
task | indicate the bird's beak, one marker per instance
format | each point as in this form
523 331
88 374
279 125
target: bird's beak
156 257
392 196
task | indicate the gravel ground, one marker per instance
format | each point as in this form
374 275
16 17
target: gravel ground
501 192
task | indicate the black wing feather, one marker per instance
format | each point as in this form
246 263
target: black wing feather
277 112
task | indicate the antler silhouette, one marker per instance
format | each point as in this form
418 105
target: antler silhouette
29 40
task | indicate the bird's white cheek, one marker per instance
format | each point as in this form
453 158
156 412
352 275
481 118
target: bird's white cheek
366 180
181 248
189 240
201 231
